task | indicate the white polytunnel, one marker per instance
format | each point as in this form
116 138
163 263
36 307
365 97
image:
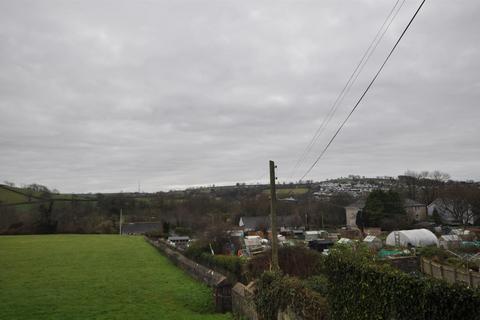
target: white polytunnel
415 238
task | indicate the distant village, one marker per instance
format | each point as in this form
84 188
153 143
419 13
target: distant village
437 223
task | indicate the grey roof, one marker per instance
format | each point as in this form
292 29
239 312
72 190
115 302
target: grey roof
412 203
254 223
141 227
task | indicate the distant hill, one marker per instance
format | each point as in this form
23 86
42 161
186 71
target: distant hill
12 195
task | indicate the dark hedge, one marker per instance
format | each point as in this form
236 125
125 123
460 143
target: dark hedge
367 291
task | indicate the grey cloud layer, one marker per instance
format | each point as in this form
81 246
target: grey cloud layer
97 95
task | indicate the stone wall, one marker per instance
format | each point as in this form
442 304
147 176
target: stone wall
221 285
237 298
243 304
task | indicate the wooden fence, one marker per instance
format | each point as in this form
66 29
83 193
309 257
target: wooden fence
450 274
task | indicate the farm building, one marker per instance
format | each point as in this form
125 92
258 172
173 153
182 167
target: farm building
450 241
373 242
351 213
412 238
415 211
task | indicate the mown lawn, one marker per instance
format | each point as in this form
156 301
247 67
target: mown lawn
95 277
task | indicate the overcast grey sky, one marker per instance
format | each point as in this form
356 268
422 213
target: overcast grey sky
98 95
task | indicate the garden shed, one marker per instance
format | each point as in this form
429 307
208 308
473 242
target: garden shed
450 241
412 238
373 242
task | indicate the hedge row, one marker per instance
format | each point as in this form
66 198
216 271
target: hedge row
233 265
367 291
278 293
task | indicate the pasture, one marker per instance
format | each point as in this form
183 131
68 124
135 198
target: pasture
95 277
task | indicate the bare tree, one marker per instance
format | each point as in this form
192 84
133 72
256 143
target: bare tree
424 186
458 200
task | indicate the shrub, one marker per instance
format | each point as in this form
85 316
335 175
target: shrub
433 253
200 252
277 293
196 249
318 283
360 290
293 261
232 264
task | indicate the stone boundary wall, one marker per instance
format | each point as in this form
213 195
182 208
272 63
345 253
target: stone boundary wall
221 285
450 274
243 304
237 298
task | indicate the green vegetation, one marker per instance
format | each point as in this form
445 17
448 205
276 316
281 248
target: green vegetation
226 264
360 289
95 277
351 283
383 209
442 256
8 196
276 293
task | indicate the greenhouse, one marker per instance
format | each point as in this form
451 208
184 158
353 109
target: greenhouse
412 238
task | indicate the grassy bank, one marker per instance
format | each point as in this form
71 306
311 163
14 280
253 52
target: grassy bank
95 277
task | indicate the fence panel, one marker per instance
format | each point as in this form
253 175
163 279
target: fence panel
450 274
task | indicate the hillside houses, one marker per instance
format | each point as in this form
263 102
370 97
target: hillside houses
354 186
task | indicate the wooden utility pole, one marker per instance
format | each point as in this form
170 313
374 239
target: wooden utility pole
273 217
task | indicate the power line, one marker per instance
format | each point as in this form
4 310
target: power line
353 77
364 93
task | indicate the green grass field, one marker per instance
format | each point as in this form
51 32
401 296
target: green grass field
95 277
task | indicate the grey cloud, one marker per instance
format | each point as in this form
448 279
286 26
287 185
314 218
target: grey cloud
98 95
